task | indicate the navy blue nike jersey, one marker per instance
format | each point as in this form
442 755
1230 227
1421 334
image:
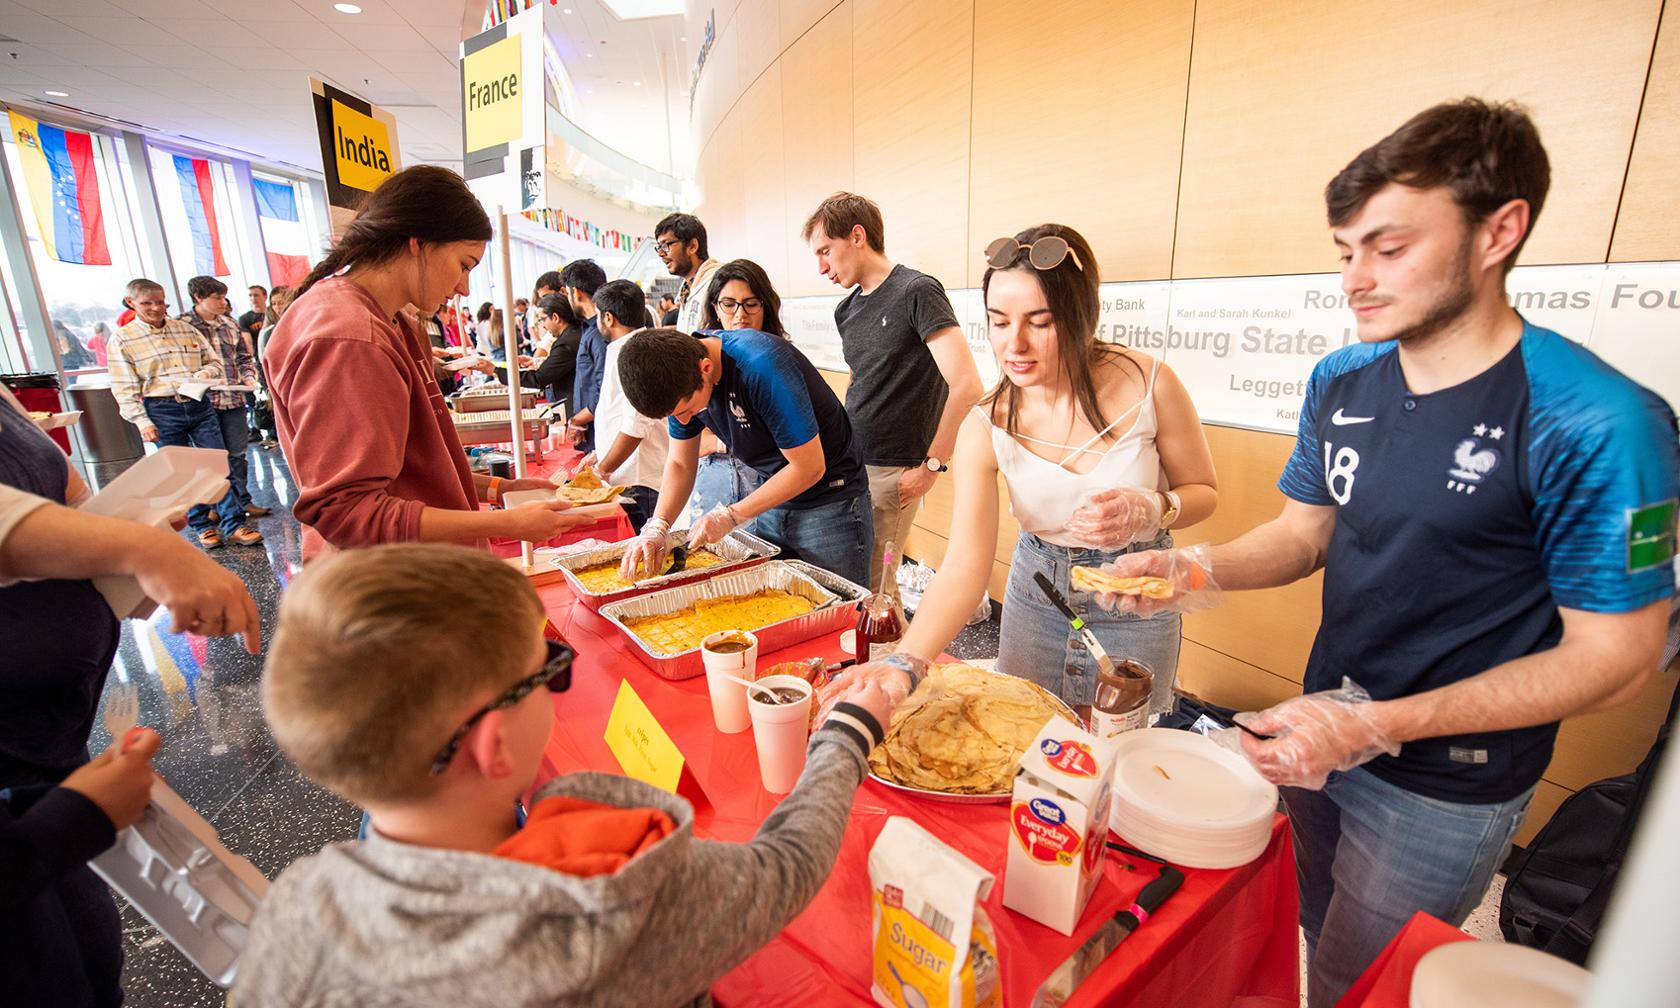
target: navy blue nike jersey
1465 518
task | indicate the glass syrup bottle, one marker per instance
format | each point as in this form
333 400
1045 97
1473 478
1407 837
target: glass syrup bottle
880 623
1121 701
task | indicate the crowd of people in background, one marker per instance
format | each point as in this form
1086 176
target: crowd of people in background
701 405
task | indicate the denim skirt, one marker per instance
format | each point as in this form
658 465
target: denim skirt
1037 643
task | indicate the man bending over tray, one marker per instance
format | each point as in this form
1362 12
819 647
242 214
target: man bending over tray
774 413
1493 507
603 897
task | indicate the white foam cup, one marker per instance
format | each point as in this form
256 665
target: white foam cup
780 732
729 699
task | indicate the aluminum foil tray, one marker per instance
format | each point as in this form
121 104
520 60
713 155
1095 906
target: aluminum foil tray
738 549
832 614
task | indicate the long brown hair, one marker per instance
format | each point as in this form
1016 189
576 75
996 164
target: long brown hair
758 281
1071 294
426 202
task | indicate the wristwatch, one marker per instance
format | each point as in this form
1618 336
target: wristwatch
1174 506
913 667
936 465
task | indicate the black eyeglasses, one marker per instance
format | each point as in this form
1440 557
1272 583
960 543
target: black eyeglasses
1046 253
663 247
731 306
556 674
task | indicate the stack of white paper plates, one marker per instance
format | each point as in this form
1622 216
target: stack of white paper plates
1181 797
1479 974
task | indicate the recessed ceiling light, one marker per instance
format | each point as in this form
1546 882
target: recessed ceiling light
347 8
590 55
56 94
682 38
638 83
565 10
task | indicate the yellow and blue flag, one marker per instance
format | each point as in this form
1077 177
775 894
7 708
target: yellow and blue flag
60 172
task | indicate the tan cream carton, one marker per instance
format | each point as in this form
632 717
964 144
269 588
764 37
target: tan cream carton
1058 825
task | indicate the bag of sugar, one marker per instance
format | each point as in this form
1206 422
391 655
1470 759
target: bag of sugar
934 946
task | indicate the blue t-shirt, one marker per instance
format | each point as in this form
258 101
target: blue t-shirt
1465 518
769 398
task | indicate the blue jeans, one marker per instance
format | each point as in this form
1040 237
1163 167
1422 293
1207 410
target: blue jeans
837 537
1037 643
236 436
195 425
720 480
1369 854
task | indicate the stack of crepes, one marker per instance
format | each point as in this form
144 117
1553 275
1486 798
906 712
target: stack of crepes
963 731
585 487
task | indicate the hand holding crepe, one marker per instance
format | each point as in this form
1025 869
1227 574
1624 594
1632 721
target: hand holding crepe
1152 581
963 731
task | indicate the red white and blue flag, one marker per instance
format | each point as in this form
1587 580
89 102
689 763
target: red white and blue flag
282 231
59 170
198 196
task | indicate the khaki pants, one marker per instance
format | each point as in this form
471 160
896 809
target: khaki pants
892 519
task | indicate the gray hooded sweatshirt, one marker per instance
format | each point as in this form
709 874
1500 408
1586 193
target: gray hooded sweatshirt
380 923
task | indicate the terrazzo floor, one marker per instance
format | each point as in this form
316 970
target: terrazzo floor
203 696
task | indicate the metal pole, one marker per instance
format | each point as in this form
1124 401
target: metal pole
510 344
38 343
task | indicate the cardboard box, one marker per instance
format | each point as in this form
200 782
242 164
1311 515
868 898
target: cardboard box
1058 825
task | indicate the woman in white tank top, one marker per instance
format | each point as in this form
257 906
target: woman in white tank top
1102 452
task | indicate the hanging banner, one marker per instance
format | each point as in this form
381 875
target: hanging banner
358 149
502 112
1246 346
61 175
560 222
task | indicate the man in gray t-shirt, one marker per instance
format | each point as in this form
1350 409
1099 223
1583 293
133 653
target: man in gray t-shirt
913 376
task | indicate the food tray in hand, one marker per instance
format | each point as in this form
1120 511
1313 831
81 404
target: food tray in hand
832 612
739 550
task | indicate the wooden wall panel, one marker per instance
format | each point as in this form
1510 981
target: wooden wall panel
799 16
1647 228
1230 682
720 87
911 67
757 26
817 132
1274 628
1078 118
1283 95
722 186
763 177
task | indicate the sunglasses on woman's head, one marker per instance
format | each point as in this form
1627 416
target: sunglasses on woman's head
556 674
1045 253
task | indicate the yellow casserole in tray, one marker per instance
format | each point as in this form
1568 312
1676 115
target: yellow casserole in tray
674 632
602 579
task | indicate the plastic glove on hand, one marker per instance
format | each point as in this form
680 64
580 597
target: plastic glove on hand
1316 734
1114 518
645 556
1188 571
712 526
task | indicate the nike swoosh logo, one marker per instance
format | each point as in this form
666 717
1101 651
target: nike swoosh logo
1342 421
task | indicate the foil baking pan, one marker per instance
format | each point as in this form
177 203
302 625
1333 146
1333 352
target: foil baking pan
739 550
833 613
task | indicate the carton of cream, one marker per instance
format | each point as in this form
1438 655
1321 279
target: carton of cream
1058 825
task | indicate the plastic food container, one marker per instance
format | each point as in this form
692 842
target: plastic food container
739 550
835 598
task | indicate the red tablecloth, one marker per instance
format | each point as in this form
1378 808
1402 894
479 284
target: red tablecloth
1387 982
1226 937
564 457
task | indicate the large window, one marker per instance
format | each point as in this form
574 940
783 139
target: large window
202 225
83 301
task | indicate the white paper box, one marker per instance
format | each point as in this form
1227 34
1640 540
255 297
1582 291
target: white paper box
153 492
1058 825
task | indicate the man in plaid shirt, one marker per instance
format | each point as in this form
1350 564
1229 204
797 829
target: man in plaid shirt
210 316
150 358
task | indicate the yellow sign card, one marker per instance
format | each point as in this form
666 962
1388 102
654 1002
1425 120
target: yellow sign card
640 744
361 148
491 99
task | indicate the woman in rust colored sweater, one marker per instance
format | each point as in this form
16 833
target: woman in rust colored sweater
362 420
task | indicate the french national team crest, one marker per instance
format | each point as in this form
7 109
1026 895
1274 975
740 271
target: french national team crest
1474 459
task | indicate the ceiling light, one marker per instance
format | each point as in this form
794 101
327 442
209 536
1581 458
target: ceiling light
347 8
590 55
682 38
56 94
638 83
565 10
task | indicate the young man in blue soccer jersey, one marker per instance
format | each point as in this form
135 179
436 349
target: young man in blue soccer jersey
1494 510
774 413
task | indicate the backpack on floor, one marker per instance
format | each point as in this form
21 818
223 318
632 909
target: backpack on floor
1558 888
